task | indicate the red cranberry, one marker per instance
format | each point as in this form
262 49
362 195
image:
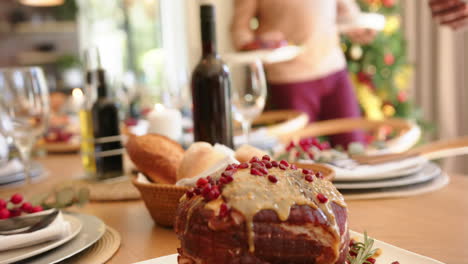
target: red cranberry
395 262
275 164
290 146
309 178
285 163
306 171
3 204
26 207
319 175
311 155
4 213
36 209
352 253
293 167
264 171
243 166
371 260
206 189
266 157
272 178
283 167
223 210
268 164
202 182
16 198
298 154
226 180
256 172
254 159
305 142
322 198
15 212
197 191
213 194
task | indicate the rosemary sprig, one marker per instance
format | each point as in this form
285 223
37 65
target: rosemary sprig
362 250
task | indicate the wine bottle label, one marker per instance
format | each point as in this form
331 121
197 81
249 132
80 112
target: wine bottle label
103 140
109 153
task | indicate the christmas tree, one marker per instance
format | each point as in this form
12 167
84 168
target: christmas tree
380 70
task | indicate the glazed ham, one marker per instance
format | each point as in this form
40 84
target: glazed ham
255 220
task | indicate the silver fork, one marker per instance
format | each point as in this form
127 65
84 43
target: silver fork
44 222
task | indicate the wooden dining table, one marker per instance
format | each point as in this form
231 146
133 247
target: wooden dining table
433 224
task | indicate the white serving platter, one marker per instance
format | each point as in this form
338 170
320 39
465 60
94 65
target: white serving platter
389 254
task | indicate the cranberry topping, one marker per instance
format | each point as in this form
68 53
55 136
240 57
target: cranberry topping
322 198
272 179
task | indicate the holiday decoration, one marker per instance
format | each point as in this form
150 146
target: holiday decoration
379 70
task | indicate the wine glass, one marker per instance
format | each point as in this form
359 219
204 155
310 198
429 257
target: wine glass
249 91
24 109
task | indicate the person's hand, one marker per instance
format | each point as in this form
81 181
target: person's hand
362 36
453 13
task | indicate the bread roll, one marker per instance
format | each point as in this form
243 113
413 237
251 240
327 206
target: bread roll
246 152
197 159
157 156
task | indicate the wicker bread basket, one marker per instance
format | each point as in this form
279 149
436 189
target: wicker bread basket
162 200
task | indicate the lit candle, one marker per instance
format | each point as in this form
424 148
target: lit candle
77 99
166 122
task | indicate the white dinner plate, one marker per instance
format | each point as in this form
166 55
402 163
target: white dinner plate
14 255
389 254
439 182
427 173
265 55
376 172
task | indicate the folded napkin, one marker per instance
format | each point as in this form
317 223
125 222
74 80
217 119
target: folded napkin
58 229
215 170
12 167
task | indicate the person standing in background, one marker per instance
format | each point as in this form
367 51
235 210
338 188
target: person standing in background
453 13
316 81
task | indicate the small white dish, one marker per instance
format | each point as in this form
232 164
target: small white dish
282 54
427 173
389 254
14 255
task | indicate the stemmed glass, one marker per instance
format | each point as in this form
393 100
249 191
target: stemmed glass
249 91
24 109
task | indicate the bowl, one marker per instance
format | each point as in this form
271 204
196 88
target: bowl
161 200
